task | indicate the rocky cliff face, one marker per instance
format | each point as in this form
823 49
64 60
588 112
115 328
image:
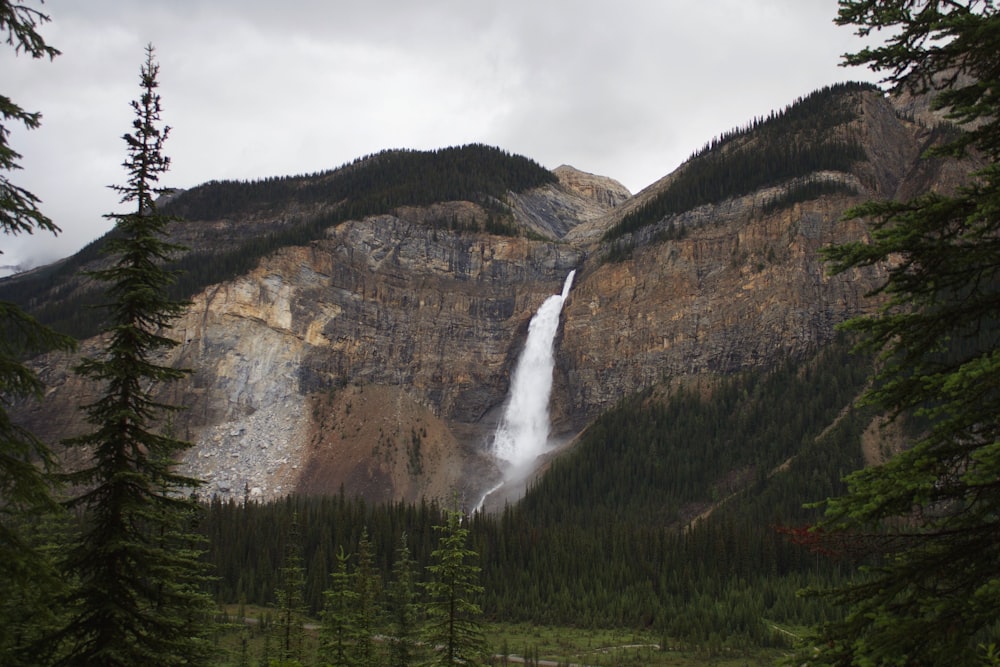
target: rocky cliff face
737 291
378 358
295 362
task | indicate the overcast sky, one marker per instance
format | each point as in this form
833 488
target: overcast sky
258 88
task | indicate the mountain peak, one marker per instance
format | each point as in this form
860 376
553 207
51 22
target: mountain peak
603 190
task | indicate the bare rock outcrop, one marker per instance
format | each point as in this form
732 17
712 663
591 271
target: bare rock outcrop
605 191
378 358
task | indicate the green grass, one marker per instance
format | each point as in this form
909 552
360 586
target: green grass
600 647
548 645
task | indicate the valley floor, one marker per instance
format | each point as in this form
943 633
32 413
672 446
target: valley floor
512 644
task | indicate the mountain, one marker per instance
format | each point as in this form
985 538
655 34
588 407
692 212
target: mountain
357 329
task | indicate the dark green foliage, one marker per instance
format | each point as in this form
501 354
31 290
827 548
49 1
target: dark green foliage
500 227
414 459
19 212
288 598
374 184
369 186
794 142
663 459
27 578
931 514
138 597
814 114
339 630
31 588
453 629
353 613
247 543
602 540
401 605
368 586
24 460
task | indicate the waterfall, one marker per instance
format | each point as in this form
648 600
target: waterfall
523 432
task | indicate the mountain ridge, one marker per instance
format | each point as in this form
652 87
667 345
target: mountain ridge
423 307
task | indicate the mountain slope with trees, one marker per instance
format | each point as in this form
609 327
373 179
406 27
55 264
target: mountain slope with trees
584 550
810 135
712 408
429 304
930 515
228 226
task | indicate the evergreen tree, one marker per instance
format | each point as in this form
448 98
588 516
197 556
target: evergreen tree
19 213
338 633
367 583
931 515
25 576
454 630
138 599
30 609
291 608
402 609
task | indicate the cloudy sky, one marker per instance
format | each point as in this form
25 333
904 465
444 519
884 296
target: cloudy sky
258 88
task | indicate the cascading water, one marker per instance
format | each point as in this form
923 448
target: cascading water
523 433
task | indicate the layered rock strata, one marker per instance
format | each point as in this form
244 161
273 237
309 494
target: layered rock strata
377 360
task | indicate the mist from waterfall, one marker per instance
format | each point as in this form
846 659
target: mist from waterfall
523 433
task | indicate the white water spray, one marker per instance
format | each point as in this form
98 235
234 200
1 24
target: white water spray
523 433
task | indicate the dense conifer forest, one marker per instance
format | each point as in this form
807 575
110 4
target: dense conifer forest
695 510
370 185
801 139
610 536
374 184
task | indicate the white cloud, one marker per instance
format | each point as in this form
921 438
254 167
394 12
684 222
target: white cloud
252 89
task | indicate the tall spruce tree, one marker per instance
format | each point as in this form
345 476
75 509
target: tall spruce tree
367 584
453 628
26 579
338 633
138 600
931 514
402 608
289 597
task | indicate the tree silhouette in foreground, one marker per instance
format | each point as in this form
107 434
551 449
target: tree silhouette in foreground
288 597
138 600
930 516
403 645
453 629
339 629
26 577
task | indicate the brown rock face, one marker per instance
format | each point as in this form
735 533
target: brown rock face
378 359
736 292
385 312
399 312
605 191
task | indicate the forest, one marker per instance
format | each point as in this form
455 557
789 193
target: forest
370 185
676 513
611 535
696 510
800 139
679 515
373 184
